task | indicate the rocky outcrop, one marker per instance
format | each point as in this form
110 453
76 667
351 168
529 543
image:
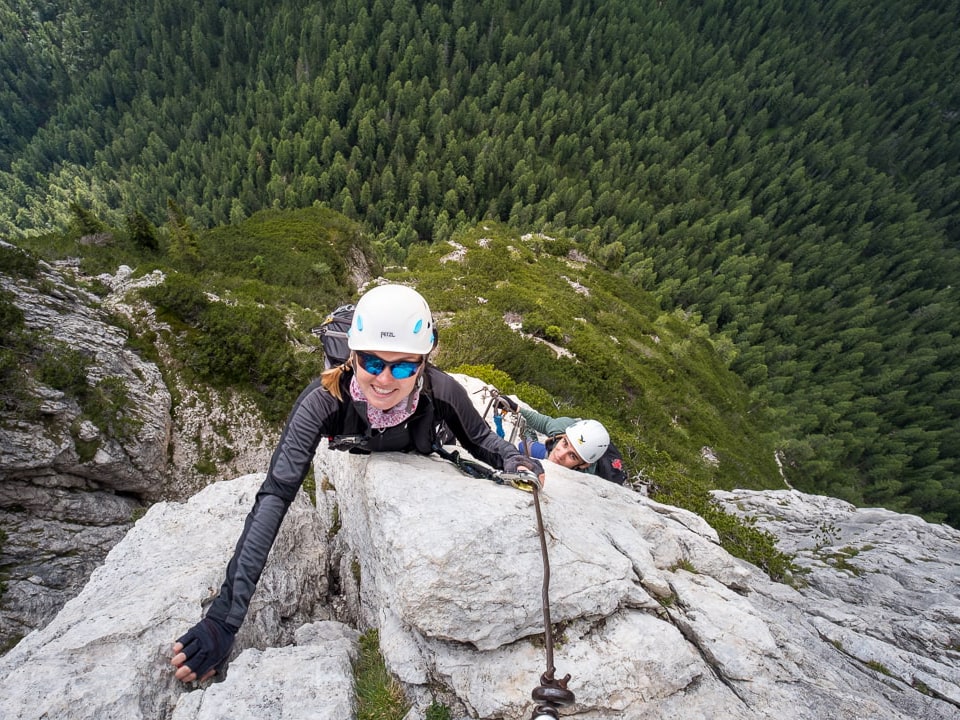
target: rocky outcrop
880 586
70 488
106 654
658 620
652 618
215 430
313 678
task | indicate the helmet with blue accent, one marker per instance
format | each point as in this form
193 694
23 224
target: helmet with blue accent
392 318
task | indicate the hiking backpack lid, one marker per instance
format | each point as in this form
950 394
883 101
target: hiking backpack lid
333 335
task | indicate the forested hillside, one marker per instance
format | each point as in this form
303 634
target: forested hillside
789 170
234 312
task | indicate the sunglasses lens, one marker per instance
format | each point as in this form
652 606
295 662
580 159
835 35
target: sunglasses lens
372 364
400 370
403 370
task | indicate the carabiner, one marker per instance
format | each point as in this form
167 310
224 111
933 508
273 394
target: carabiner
522 480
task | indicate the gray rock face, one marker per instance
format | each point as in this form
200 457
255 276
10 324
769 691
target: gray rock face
46 452
652 618
68 488
882 587
106 654
659 622
207 422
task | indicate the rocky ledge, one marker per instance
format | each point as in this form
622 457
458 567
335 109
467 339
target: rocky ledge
652 618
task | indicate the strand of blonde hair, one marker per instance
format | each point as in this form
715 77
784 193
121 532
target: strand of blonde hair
330 378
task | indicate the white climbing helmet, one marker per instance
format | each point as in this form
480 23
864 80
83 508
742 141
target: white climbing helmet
392 318
589 438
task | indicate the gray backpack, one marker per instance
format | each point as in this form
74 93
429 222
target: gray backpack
333 335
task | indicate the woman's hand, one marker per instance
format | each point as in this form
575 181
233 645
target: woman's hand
201 650
184 673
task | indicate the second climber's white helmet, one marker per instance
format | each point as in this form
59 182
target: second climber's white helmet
392 318
589 438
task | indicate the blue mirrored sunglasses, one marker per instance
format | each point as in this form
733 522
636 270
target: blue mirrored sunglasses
401 370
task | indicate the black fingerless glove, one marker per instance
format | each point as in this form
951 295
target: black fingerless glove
207 645
507 403
513 464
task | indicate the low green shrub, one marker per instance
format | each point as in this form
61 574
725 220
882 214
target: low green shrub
18 263
180 295
64 368
437 711
107 405
379 695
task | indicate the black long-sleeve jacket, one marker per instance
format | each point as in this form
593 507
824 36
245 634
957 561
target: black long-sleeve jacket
318 414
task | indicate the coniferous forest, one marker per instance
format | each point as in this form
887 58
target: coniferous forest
788 172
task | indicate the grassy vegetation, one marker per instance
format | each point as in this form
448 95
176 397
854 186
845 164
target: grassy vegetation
240 299
653 378
379 695
437 711
879 667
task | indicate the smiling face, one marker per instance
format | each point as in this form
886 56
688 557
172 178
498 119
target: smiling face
383 391
564 454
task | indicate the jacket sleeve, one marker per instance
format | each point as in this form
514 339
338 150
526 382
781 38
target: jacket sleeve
544 423
453 405
313 416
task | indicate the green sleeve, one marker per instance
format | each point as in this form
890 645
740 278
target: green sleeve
544 423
